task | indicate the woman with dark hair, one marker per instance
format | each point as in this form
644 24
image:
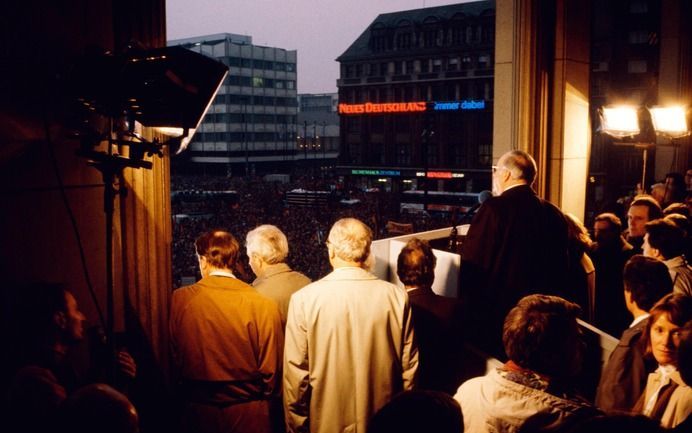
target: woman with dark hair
666 397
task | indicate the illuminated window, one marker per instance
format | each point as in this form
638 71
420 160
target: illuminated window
257 82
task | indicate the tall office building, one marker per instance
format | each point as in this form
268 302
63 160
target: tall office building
318 128
416 100
252 125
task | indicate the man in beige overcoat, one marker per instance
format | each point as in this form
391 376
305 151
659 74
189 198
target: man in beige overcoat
349 341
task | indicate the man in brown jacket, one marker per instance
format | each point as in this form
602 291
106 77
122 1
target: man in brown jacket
227 342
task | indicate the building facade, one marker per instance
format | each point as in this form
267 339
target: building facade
318 129
252 124
416 100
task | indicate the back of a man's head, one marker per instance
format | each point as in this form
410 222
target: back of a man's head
349 239
416 264
666 237
541 334
268 243
647 280
219 248
520 164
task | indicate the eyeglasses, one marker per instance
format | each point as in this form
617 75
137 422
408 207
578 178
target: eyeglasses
496 168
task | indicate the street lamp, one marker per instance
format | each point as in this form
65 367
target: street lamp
623 121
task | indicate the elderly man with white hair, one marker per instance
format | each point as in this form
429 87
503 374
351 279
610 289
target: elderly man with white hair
349 341
267 249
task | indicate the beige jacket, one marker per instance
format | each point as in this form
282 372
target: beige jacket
349 348
679 406
279 282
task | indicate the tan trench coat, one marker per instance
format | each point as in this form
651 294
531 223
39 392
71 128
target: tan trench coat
349 348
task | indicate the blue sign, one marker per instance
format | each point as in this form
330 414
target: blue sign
466 104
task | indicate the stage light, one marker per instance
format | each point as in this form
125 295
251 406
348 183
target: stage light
620 121
670 121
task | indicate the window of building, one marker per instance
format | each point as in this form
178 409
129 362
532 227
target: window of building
638 37
398 67
290 84
403 40
484 61
290 67
466 62
384 68
279 84
437 65
485 154
257 82
425 65
432 153
453 64
639 6
403 154
409 67
246 63
636 66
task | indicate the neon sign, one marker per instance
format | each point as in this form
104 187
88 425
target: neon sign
390 107
377 172
439 175
467 104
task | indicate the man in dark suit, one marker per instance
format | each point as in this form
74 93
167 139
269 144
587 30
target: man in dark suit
516 246
646 280
436 320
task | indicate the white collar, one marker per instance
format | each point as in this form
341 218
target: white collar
219 273
639 319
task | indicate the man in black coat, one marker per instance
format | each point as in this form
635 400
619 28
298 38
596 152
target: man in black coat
516 246
436 320
646 281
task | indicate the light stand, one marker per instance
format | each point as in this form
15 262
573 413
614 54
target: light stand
624 121
166 88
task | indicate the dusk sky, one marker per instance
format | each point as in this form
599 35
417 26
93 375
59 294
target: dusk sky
321 30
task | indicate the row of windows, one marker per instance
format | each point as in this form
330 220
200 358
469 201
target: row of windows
456 155
257 64
272 101
244 137
445 91
250 118
269 83
432 36
438 64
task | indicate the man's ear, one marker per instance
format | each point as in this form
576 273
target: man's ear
60 319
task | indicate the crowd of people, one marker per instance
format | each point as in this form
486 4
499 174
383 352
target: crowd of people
260 202
285 327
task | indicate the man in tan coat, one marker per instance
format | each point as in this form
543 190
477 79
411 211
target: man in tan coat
349 341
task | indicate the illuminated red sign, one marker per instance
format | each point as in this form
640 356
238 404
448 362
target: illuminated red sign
391 107
440 174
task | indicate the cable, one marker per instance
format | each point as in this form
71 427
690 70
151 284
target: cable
71 216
